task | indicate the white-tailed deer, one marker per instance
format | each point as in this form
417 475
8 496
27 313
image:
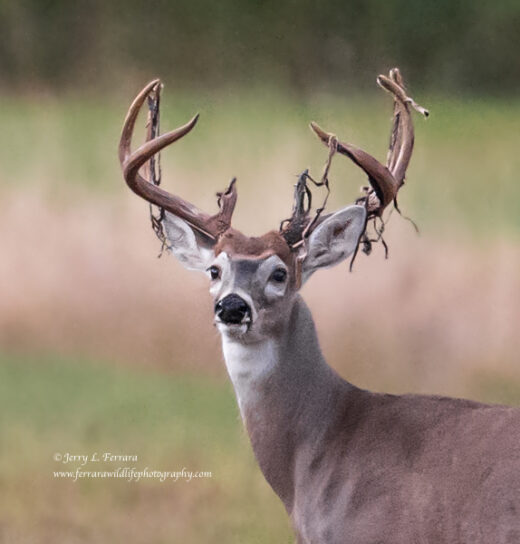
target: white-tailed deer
350 466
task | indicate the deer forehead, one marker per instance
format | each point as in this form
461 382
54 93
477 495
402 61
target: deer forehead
237 246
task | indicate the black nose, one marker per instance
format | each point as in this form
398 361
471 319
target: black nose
232 309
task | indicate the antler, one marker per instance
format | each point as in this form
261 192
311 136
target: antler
212 226
384 180
402 135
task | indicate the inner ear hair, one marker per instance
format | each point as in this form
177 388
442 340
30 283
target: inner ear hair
188 245
340 229
335 239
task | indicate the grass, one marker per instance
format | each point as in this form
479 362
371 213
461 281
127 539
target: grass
50 405
53 405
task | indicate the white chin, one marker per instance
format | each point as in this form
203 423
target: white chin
232 329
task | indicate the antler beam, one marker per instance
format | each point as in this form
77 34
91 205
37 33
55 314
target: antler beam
384 180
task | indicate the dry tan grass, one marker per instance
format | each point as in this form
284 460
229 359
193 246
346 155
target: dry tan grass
83 278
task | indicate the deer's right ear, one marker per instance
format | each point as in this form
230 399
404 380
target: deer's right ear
334 240
192 249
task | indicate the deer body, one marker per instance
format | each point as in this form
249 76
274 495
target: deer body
357 467
351 466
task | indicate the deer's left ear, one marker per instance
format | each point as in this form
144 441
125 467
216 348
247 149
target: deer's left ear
334 240
192 249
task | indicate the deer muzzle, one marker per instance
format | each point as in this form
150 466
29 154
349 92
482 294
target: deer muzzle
233 310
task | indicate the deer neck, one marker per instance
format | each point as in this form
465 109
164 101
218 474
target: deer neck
283 387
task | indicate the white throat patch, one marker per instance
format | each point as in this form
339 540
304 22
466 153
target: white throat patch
248 365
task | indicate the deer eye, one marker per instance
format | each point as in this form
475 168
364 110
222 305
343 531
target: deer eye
279 275
214 272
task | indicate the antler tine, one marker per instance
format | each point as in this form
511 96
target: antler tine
402 134
211 226
380 178
293 228
131 116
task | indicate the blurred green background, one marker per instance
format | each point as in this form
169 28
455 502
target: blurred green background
104 348
468 45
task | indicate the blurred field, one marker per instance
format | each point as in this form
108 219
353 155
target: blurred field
79 282
49 406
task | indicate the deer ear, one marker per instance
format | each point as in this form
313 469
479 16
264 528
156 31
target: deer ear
334 239
192 249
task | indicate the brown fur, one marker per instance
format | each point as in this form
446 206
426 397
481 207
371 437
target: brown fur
355 467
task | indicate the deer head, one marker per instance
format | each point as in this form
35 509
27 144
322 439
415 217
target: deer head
254 279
